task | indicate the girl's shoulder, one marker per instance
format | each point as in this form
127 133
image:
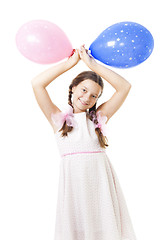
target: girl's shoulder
60 117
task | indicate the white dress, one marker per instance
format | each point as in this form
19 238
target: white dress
90 203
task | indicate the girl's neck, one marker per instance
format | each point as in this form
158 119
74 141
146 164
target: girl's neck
79 112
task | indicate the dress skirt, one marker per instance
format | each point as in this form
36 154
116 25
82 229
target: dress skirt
90 203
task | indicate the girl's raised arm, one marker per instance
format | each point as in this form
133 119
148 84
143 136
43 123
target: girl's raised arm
121 85
40 82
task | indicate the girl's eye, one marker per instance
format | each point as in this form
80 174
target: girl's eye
85 90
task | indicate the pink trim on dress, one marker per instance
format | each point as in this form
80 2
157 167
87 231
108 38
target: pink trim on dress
63 155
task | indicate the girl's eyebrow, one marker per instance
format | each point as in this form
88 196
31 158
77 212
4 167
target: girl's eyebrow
93 93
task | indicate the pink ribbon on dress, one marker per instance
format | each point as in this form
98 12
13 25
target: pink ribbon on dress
61 117
101 122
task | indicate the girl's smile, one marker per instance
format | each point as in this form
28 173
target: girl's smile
83 102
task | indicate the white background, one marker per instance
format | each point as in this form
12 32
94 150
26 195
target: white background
29 161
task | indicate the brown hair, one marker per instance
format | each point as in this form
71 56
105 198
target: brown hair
92 111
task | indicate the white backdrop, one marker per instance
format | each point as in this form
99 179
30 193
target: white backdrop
29 161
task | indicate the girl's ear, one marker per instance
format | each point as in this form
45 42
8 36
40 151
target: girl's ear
73 88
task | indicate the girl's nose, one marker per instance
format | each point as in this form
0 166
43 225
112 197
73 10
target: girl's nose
86 99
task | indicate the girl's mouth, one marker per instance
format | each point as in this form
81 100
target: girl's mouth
83 102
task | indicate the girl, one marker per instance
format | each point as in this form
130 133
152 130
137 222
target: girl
90 204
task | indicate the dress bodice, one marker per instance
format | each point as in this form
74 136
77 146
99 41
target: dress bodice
82 138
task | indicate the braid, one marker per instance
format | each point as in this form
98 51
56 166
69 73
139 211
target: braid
93 117
70 96
65 128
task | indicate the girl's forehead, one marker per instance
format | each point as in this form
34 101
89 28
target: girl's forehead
87 81
90 85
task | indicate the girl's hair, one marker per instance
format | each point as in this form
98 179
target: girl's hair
79 78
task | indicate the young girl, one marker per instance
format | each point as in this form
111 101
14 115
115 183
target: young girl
90 204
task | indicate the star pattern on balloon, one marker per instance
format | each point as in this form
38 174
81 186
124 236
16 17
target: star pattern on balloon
123 45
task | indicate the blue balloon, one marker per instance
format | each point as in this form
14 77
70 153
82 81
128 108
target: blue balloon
123 45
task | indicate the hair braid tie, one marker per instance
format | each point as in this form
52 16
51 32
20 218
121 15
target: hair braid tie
101 120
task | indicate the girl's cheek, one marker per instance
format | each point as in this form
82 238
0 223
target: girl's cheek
81 94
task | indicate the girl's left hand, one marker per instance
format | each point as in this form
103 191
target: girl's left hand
85 57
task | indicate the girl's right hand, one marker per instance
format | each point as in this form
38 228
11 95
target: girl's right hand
74 58
86 58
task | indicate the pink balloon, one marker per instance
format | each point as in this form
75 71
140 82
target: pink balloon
43 42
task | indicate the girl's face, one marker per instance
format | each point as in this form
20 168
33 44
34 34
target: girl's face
85 95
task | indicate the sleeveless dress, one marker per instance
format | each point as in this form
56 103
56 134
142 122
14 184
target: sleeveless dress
90 203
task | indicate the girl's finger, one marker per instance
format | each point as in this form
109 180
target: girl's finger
80 52
82 47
